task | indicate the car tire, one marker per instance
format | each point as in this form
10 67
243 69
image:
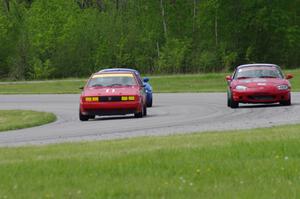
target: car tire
140 114
232 103
145 110
228 99
286 103
83 117
149 104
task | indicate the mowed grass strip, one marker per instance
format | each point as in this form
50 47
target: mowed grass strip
42 87
212 82
261 163
18 119
208 82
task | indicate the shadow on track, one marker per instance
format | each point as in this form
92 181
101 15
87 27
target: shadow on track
118 117
262 106
295 104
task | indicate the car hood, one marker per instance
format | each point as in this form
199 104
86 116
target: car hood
111 91
254 82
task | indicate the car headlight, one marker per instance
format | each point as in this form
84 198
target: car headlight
241 88
283 87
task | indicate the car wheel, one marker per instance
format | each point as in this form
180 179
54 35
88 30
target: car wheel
149 104
83 117
228 99
232 103
145 110
140 114
286 103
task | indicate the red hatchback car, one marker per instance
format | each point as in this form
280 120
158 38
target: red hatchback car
112 93
258 83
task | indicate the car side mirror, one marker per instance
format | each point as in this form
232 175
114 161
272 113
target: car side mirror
81 88
228 78
289 76
146 79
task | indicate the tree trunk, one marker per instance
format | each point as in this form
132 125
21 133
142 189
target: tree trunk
117 4
194 15
163 17
6 4
100 5
216 27
158 51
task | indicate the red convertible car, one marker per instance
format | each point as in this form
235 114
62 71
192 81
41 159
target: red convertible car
112 93
258 83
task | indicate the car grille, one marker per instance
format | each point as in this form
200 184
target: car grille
262 97
110 99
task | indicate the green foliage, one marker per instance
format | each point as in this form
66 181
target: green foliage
42 70
76 38
4 23
18 58
229 58
172 56
46 22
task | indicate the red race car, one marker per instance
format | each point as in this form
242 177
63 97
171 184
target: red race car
258 83
112 93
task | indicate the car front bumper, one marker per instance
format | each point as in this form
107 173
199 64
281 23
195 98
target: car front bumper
110 108
260 96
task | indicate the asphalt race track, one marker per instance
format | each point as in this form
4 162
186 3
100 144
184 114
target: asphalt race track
171 113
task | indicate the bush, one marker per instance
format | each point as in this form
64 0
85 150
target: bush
172 56
42 70
208 61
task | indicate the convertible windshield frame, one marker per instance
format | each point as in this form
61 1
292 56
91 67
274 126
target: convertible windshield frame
258 72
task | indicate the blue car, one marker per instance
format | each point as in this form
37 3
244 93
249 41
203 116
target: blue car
148 87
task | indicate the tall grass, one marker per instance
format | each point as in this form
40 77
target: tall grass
262 163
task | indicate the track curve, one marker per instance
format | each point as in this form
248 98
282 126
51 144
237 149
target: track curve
172 113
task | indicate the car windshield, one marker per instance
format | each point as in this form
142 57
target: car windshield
108 80
257 73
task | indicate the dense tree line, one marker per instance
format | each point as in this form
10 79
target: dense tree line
63 38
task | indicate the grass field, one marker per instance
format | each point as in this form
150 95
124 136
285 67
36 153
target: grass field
261 163
17 119
212 82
